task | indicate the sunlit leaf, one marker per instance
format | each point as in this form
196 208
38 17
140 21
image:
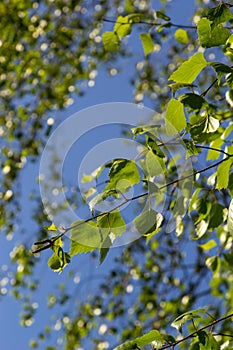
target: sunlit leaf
208 245
181 36
153 337
147 43
190 69
211 37
175 118
111 41
123 174
187 316
223 174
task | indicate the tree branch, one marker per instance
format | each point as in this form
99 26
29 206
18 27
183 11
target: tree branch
195 332
152 24
50 241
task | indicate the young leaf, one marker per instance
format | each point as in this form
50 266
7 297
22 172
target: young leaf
190 69
208 245
152 145
122 26
211 37
219 14
230 217
143 129
52 227
84 237
146 222
111 41
147 43
123 174
181 36
213 153
155 165
111 223
187 316
59 259
175 118
153 337
223 174
191 149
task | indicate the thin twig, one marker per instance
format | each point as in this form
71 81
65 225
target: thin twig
195 332
104 19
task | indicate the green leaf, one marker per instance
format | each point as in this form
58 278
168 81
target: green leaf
190 69
216 215
123 174
147 43
59 259
228 47
209 37
176 86
219 14
152 145
155 165
230 217
192 150
214 154
208 245
175 118
143 129
193 101
229 79
161 14
223 174
84 237
111 41
111 223
221 69
52 227
153 337
213 263
187 316
229 97
181 36
207 341
122 26
146 222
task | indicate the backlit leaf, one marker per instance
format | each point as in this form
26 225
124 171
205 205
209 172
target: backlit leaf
181 36
187 316
147 43
211 37
223 174
111 41
175 118
153 337
190 69
123 174
208 245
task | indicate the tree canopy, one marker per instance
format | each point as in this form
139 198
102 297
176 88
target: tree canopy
171 287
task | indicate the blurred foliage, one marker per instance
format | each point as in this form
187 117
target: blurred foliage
50 51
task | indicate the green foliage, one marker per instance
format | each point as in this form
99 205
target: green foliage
147 43
187 316
181 36
59 259
49 52
190 69
175 117
155 337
